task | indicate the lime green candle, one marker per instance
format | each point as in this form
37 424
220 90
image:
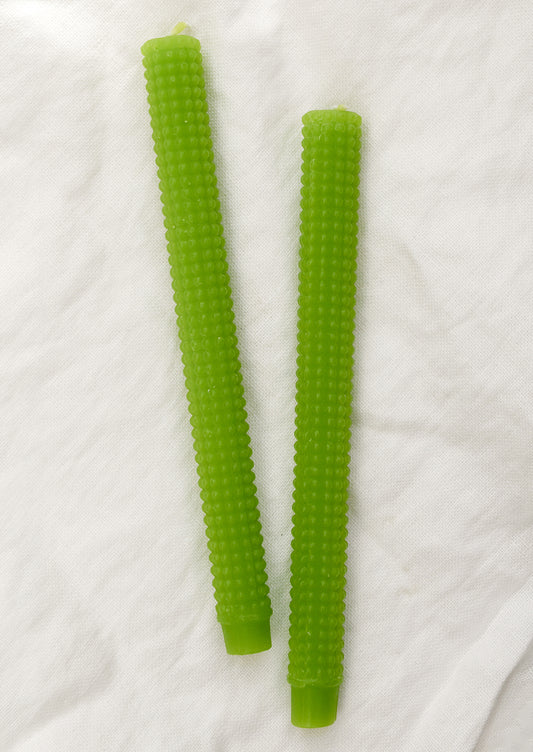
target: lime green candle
328 237
184 155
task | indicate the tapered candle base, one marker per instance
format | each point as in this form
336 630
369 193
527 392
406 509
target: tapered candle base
245 637
313 707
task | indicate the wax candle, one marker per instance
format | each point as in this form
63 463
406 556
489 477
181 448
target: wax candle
184 155
328 236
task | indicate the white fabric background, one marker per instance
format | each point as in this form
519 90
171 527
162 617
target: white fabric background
108 638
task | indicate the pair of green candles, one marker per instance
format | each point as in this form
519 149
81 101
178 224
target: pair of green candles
328 237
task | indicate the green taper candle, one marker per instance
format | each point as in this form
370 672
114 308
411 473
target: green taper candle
184 156
328 239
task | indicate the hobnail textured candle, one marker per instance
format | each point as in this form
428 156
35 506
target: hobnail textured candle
180 125
328 238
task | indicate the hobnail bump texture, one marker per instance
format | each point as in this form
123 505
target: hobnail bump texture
326 309
184 156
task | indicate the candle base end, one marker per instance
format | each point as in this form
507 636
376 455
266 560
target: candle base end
246 637
313 707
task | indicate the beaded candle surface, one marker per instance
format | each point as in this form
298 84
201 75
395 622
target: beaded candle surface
328 237
184 156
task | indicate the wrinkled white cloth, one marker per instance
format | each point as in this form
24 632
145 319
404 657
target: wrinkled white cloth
108 637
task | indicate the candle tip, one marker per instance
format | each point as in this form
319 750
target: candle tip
341 107
179 27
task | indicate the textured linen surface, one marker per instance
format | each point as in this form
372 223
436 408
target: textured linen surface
108 638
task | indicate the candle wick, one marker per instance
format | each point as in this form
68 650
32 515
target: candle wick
179 27
341 107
